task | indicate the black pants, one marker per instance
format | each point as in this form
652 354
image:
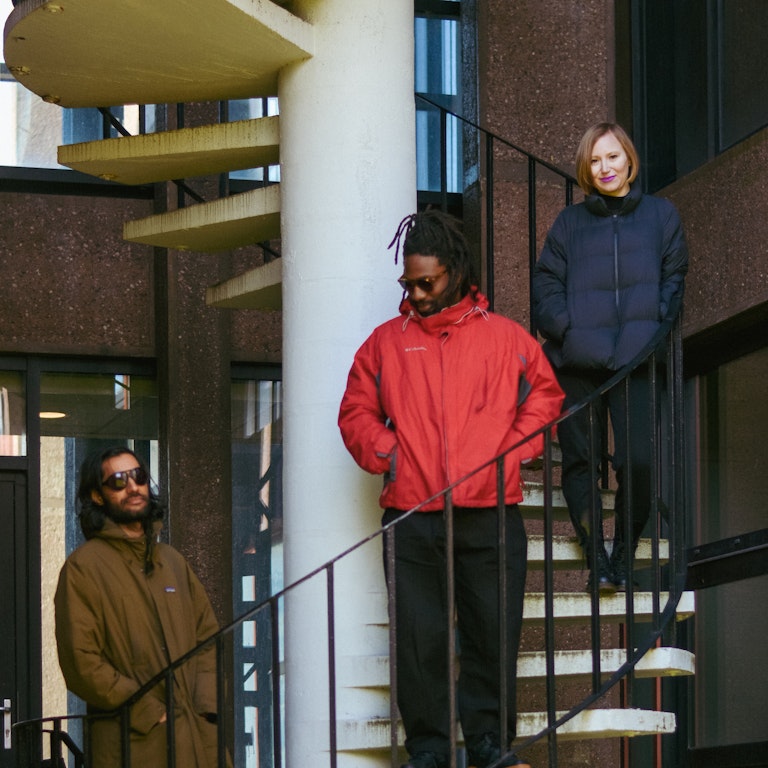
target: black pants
422 622
632 448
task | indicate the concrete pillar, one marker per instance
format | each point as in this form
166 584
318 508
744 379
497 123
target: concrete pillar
348 177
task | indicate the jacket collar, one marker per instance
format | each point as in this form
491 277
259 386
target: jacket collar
595 203
474 303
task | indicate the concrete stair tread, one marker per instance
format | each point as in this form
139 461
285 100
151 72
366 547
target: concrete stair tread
599 724
180 50
532 505
374 734
258 288
568 555
576 607
219 225
657 662
184 153
373 671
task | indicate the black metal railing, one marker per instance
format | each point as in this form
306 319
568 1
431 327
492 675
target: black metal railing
666 587
664 371
483 147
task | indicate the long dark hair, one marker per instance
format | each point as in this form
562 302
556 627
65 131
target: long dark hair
93 516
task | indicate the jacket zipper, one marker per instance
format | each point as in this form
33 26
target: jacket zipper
616 263
443 339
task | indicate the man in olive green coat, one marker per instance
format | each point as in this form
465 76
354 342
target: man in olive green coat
126 606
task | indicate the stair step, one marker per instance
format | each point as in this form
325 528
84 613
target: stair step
373 671
180 50
185 153
259 288
569 555
599 724
576 607
657 662
374 734
532 505
219 225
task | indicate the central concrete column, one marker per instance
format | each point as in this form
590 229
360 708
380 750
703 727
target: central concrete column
348 177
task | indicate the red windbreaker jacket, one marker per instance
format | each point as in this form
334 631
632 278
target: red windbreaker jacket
430 399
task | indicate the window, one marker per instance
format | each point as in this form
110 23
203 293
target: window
13 414
79 413
733 473
692 79
257 563
437 59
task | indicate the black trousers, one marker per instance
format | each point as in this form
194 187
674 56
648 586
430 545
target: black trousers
422 623
632 449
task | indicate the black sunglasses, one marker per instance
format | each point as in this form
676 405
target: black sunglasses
424 284
119 480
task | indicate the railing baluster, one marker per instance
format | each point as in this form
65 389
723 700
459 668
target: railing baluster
451 611
501 511
221 704
549 600
277 720
595 540
443 160
490 266
389 548
628 536
170 712
331 666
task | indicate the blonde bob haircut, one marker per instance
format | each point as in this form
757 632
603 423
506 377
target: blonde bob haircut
586 145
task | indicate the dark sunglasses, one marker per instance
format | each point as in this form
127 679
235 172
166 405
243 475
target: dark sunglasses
425 284
119 480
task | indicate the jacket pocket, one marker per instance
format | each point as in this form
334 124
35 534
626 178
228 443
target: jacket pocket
391 473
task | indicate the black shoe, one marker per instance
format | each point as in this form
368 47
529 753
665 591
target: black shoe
426 760
605 583
484 750
621 567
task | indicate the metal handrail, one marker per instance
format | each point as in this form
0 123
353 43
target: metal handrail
663 624
663 616
533 162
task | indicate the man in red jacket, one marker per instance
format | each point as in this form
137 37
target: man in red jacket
432 395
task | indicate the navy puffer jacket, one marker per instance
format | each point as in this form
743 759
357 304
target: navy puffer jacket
605 279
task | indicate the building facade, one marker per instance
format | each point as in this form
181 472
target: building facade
233 396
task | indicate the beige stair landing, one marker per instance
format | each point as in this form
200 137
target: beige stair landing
152 51
219 225
184 153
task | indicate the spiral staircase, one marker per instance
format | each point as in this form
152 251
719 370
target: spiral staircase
216 50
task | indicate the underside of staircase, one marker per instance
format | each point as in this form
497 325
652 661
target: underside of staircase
180 51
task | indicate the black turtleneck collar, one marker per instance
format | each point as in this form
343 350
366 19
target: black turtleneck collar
601 205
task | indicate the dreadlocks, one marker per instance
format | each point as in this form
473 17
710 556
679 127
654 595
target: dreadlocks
434 233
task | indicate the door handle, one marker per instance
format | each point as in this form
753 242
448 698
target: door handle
6 710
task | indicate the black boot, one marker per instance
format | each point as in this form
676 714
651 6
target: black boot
622 558
606 584
602 568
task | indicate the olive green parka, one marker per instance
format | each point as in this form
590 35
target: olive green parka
116 628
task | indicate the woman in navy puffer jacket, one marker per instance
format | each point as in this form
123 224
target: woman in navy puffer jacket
611 270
